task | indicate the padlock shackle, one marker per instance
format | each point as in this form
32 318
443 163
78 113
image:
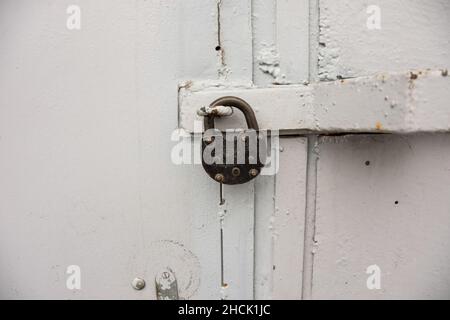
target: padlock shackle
234 102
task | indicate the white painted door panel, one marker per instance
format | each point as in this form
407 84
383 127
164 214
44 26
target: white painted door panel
86 119
87 179
280 224
383 200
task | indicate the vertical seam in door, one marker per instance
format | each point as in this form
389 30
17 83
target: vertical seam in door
254 243
219 36
272 238
311 167
254 184
310 217
219 41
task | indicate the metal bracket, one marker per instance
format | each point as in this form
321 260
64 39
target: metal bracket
166 285
405 102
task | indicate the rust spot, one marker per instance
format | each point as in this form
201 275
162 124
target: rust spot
378 125
214 112
413 76
186 85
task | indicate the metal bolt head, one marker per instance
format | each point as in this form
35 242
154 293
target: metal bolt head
219 177
236 171
138 283
208 139
253 172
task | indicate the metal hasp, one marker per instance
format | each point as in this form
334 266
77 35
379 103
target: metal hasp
394 102
166 285
233 156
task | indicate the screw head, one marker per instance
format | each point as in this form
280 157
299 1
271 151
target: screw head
219 177
208 139
236 171
253 172
138 283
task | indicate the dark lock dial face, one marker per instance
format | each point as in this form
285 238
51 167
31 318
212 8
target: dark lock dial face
233 158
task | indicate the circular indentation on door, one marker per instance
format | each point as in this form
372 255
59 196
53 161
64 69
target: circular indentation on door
184 263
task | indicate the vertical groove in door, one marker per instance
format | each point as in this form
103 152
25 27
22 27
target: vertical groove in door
310 216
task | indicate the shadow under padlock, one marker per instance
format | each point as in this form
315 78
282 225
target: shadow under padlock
233 156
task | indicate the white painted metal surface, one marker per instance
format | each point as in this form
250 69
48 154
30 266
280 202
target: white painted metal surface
411 34
279 225
381 208
279 58
383 200
86 119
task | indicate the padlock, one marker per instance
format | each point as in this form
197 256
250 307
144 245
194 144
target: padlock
244 161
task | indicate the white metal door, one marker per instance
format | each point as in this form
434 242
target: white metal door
87 120
373 217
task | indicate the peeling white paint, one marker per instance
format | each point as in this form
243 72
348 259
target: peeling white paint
269 62
79 171
414 34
